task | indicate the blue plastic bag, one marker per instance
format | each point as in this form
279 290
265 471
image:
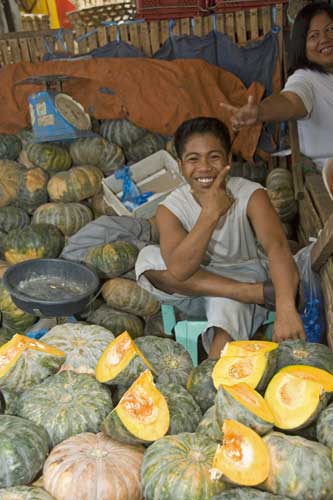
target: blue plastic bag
131 197
313 312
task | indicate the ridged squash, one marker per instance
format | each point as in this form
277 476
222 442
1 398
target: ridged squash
242 403
24 493
10 146
66 404
99 152
13 218
13 318
76 184
121 132
298 352
116 321
32 189
209 427
50 157
247 494
141 416
82 344
25 362
23 450
305 372
9 182
68 217
200 384
324 427
121 362
112 259
243 457
93 467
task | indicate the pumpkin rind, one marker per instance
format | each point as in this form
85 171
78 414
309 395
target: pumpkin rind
11 398
32 189
68 217
179 466
154 325
324 428
300 469
99 206
93 467
76 184
244 404
36 241
121 132
13 218
25 362
10 146
247 494
185 413
24 493
66 404
126 295
116 321
50 157
82 344
209 427
99 152
298 352
170 360
145 146
200 384
9 181
121 362
12 316
112 259
23 450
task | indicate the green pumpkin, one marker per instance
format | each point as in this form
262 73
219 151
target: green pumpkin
229 408
11 398
247 494
77 184
36 241
298 352
116 321
13 218
145 146
66 404
179 466
279 178
13 319
83 345
98 152
126 295
50 157
23 450
10 146
324 428
10 174
5 334
33 189
31 366
121 132
113 427
170 360
112 259
209 427
24 493
284 203
154 325
200 384
185 413
300 468
26 136
68 217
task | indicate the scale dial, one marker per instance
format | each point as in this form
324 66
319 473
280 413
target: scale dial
72 111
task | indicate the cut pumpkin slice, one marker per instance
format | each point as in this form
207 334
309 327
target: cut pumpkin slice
254 370
243 458
242 403
142 414
306 372
295 402
248 347
25 362
121 362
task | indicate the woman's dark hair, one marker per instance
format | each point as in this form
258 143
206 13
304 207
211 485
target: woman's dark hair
201 125
297 55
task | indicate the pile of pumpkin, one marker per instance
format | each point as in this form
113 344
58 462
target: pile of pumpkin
104 417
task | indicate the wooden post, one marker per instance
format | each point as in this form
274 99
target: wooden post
323 248
296 168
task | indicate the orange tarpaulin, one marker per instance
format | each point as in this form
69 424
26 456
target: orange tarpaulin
157 95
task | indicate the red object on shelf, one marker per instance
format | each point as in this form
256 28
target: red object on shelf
64 6
221 6
172 9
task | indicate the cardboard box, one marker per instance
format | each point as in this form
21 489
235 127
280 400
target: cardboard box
158 173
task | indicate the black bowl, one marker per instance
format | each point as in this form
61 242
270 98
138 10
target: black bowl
67 271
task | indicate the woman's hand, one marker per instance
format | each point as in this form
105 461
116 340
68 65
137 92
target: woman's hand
243 116
288 326
216 201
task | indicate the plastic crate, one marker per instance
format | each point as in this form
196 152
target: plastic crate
221 6
172 9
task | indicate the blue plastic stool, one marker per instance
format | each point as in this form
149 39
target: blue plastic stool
187 332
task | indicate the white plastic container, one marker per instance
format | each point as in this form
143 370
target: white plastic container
157 173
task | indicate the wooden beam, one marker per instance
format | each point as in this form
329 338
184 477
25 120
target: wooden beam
323 248
296 168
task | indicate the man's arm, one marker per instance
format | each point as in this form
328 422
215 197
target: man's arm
283 269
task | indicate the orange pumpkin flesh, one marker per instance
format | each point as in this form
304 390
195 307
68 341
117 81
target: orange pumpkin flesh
248 347
12 350
243 458
250 399
116 357
306 372
294 401
231 370
143 410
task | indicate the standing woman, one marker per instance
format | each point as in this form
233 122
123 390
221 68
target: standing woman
308 94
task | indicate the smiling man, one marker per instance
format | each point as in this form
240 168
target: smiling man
208 262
